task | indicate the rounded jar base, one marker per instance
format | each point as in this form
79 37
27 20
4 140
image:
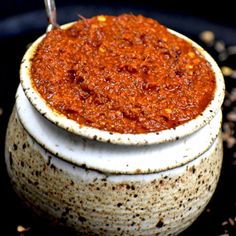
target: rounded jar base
96 203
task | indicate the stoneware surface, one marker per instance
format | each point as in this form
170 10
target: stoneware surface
96 203
102 188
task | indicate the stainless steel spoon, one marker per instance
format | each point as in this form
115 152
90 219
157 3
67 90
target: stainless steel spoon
51 13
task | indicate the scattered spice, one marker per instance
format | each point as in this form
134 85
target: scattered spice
219 46
231 221
228 52
208 210
227 71
230 98
228 134
21 229
224 223
207 37
231 116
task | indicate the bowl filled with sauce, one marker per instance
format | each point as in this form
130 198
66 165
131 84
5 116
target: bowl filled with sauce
116 128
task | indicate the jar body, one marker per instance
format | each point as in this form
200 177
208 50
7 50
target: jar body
96 202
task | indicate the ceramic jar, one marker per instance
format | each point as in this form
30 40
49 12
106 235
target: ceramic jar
103 183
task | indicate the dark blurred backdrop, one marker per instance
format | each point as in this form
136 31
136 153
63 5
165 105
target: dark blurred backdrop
219 11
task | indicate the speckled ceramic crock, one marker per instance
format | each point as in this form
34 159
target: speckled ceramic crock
103 183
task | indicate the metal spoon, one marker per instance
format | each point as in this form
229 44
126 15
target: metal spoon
51 13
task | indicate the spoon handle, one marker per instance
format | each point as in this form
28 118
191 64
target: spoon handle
51 13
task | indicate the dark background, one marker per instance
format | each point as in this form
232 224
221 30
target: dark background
22 21
219 11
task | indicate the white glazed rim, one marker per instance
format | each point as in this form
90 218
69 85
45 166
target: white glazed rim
117 138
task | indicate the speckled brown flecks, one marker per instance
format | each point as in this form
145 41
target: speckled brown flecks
97 204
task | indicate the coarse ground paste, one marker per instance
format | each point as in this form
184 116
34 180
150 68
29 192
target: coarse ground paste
125 74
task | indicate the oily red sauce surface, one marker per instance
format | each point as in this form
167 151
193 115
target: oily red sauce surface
124 73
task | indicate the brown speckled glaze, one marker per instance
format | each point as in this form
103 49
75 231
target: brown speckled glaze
95 203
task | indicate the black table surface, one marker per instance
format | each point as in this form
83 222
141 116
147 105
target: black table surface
18 31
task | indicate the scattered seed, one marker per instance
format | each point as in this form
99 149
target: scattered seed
233 76
220 46
227 103
207 37
227 71
230 98
231 50
233 95
231 141
22 229
231 116
226 53
231 221
224 223
228 128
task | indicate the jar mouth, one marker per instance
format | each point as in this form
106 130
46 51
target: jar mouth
123 138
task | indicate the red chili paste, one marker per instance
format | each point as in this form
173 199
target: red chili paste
125 74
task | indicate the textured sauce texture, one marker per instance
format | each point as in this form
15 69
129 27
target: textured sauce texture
124 74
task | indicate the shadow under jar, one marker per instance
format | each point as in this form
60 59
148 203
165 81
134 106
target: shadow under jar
106 183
